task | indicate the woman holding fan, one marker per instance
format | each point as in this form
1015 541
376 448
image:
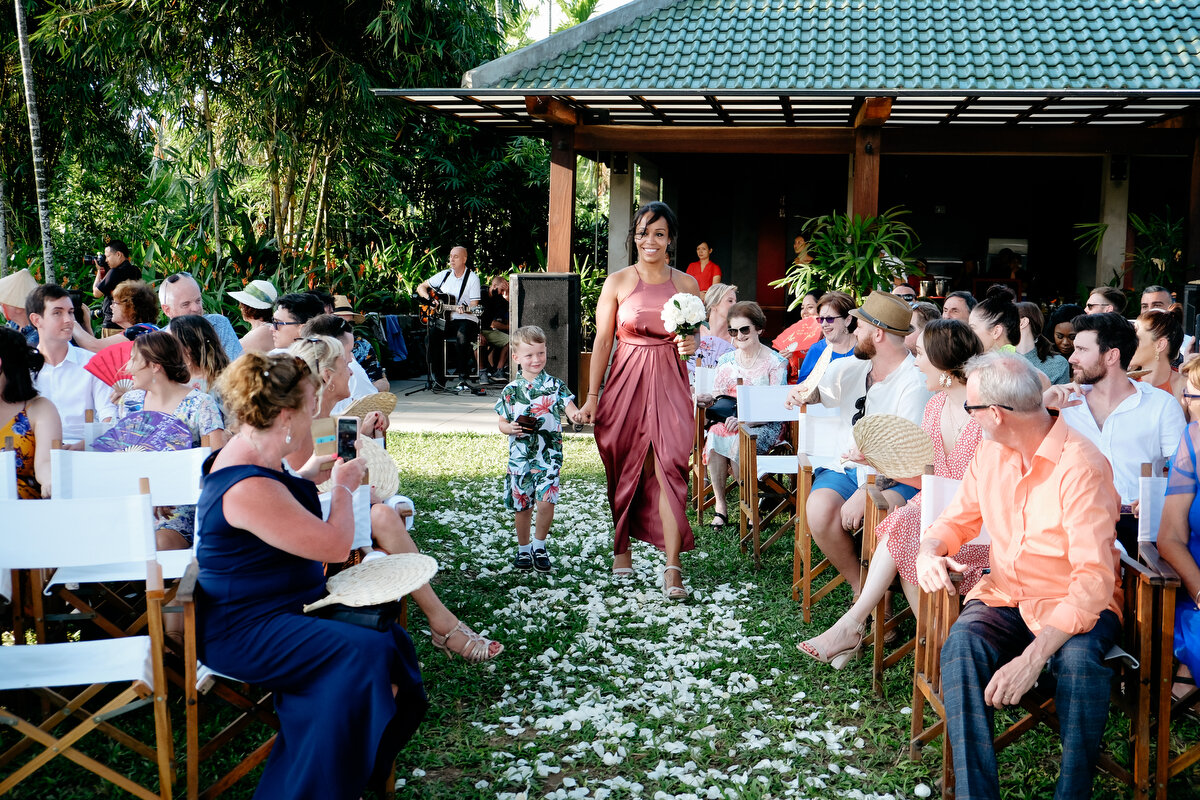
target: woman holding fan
644 424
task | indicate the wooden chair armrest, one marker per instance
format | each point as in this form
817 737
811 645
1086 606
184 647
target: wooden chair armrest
1148 554
186 593
1150 575
747 430
802 461
876 497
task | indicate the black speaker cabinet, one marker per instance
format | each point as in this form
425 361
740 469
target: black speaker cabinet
550 300
1191 307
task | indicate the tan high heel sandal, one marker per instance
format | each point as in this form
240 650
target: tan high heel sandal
478 649
674 593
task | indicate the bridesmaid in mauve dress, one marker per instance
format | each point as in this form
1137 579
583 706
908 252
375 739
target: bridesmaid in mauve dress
644 424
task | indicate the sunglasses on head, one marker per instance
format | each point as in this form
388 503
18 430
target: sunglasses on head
860 409
745 330
177 276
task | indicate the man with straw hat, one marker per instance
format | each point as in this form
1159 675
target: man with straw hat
880 379
14 289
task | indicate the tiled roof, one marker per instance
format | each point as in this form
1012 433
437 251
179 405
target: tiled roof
877 45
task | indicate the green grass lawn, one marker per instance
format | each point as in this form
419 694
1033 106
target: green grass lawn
606 690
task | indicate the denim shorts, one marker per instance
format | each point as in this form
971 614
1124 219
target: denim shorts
846 484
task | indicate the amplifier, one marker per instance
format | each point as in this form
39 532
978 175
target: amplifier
550 300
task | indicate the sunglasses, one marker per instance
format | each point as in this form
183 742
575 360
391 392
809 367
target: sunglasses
277 324
829 320
860 409
1190 396
908 298
178 276
745 330
969 408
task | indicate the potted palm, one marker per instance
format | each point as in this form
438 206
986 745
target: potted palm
853 254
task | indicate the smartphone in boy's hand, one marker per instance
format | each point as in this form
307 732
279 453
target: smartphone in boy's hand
527 423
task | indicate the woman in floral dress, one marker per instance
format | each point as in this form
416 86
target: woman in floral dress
756 365
25 417
942 353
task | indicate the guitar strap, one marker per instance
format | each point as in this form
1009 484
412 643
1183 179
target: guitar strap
462 286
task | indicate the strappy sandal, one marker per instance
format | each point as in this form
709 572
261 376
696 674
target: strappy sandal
839 659
716 524
674 593
478 649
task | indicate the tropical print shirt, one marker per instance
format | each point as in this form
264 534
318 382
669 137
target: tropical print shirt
546 398
364 354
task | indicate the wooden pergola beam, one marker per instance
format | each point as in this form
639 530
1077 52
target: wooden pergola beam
924 140
874 112
549 109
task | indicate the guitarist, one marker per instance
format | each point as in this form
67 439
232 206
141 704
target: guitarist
461 285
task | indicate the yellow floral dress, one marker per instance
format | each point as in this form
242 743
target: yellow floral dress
21 432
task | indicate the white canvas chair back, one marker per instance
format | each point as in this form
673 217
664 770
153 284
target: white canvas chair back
820 434
8 475
759 404
93 430
703 380
174 475
1152 495
936 494
48 533
362 515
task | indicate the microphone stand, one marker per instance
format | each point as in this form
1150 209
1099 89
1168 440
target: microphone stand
431 385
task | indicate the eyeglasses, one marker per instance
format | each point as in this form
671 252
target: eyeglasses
860 409
970 408
829 320
745 330
277 324
1190 396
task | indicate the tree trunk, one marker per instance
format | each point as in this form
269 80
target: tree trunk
3 232
35 140
276 209
213 168
308 185
316 237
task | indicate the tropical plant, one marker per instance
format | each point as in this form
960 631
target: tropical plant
591 281
1157 247
853 254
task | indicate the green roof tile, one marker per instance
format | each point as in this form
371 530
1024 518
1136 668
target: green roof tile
931 45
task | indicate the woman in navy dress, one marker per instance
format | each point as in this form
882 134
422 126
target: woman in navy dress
347 697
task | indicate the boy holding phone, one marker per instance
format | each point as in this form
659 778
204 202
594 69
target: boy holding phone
530 410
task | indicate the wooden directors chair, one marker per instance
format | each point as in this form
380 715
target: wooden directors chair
763 520
1132 661
121 528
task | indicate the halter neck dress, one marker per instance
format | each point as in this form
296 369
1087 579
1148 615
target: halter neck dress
646 406
332 681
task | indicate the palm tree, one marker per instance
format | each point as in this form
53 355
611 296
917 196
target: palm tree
3 232
35 139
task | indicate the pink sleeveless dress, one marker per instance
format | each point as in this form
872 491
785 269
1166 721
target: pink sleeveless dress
646 405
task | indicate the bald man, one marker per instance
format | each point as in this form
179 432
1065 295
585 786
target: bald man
458 286
179 295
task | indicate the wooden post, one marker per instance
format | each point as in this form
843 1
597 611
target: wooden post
870 118
1192 232
562 199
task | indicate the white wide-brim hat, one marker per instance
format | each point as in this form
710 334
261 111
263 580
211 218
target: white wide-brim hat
257 294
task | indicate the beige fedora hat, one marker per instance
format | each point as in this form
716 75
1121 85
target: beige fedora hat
16 287
887 311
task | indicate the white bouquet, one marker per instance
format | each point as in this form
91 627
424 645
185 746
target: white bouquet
684 314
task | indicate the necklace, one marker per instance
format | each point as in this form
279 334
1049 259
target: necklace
751 362
262 456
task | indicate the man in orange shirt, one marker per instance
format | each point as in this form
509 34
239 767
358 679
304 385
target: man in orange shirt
1045 493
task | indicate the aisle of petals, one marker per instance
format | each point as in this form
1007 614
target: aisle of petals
612 692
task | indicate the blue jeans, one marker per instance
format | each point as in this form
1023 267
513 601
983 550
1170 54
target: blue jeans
985 639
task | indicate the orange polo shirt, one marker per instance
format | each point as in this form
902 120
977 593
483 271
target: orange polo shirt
705 277
1054 553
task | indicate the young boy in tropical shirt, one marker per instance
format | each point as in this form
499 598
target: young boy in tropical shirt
530 410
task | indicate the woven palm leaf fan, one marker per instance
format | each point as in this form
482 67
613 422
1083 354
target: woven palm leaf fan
381 469
145 430
383 402
894 446
380 580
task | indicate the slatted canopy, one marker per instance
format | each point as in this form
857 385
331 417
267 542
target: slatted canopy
507 110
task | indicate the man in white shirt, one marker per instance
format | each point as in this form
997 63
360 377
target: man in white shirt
1131 422
179 296
63 379
461 285
880 379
